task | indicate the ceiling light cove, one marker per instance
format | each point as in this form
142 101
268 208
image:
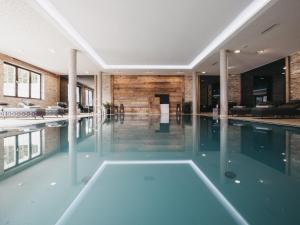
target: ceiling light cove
248 13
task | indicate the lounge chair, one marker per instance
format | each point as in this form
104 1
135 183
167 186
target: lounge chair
263 111
240 111
289 109
64 106
55 111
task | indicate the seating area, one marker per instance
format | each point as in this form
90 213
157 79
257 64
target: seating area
291 110
29 110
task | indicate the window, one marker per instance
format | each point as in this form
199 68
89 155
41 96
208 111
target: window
20 82
23 83
9 88
10 159
78 130
35 144
88 97
23 145
21 148
35 85
89 126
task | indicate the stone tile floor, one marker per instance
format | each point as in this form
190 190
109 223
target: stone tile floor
278 121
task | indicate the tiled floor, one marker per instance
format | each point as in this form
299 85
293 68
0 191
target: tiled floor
279 121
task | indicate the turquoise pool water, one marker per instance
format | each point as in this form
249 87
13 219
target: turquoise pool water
150 170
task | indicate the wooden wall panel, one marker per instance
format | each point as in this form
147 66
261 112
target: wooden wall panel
137 92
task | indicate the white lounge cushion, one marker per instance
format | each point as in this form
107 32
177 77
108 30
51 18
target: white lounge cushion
264 106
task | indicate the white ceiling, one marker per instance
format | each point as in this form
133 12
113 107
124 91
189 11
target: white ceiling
28 35
143 32
278 43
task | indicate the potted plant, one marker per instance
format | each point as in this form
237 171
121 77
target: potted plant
107 107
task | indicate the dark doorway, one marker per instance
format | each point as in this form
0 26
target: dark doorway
164 98
209 92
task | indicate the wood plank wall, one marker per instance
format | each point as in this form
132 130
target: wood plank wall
137 92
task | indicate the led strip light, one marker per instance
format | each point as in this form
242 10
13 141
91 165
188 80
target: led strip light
249 12
214 190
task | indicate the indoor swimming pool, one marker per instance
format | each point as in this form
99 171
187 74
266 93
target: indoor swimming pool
150 170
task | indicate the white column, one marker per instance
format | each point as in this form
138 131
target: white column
72 77
223 84
194 93
99 93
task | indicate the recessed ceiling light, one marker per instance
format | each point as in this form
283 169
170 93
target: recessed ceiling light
237 51
260 52
87 72
203 72
53 183
284 68
51 50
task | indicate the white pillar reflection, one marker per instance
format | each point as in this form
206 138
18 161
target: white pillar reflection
1 156
72 130
196 133
99 137
95 133
223 148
